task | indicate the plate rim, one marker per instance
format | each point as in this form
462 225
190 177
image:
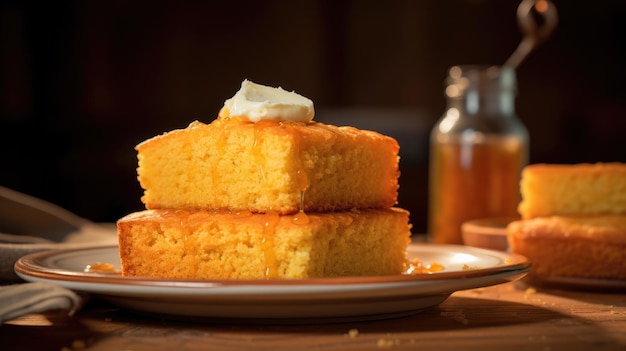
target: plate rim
32 266
278 300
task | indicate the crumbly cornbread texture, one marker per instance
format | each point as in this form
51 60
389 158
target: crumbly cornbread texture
269 166
581 189
200 244
582 247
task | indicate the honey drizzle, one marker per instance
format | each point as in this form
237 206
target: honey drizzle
301 218
220 144
188 220
242 213
257 151
301 177
302 183
267 244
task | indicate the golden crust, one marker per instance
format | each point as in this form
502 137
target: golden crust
574 246
565 190
197 244
268 166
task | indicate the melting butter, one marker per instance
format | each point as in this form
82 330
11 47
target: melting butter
256 102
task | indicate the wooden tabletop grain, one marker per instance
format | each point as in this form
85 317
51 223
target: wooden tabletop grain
511 316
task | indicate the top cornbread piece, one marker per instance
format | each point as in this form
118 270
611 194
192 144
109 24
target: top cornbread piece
581 189
279 166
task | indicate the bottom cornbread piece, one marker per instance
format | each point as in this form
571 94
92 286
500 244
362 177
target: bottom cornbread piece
577 247
242 245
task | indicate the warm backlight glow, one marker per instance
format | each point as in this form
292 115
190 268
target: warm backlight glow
541 6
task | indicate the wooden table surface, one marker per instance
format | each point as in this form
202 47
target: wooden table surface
509 316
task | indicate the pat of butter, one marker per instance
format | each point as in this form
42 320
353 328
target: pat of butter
257 102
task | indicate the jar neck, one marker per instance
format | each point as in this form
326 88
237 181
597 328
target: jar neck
474 102
481 90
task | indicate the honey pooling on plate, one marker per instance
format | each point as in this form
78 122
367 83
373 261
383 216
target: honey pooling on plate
100 267
417 267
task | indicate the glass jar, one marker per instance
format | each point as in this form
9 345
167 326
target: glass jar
477 151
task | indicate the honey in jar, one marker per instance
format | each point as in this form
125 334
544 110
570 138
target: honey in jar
478 149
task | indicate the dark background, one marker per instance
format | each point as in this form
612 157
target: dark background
82 82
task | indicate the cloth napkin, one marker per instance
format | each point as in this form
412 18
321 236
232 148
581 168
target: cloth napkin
28 225
21 299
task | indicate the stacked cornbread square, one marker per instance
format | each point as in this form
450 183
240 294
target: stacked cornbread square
573 220
265 192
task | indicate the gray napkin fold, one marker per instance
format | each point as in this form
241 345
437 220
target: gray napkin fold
29 225
21 299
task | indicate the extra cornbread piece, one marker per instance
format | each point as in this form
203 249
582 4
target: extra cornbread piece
267 166
582 247
226 245
582 189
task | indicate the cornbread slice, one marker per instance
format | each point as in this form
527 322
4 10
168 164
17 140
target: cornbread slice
581 189
582 247
228 245
269 166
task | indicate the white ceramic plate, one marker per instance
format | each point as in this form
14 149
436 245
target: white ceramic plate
297 300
